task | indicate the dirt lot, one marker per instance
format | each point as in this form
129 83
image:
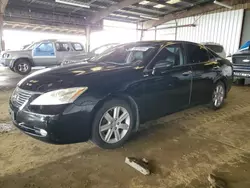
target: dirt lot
183 149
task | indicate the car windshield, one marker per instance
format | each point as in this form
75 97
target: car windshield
103 48
32 46
126 54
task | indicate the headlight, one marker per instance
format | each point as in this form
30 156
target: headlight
6 55
61 96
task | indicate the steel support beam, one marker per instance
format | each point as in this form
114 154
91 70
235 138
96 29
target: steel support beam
88 32
3 4
102 14
187 13
1 33
155 33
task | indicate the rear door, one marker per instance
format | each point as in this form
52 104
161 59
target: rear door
205 69
44 54
63 49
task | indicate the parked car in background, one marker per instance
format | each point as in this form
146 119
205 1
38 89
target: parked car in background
106 99
44 53
241 63
87 55
217 48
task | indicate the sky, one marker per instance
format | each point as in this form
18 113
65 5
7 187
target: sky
113 32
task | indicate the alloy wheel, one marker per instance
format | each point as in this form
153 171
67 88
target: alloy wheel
114 124
23 67
219 94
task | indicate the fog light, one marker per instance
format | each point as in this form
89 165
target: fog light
43 132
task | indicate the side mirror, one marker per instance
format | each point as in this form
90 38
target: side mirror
162 66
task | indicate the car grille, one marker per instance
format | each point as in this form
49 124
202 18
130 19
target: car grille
245 60
19 97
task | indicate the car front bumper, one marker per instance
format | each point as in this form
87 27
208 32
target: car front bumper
65 128
241 72
6 62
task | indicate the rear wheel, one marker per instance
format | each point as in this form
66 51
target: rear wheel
113 124
218 96
22 67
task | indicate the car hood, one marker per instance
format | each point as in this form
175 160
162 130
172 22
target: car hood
78 58
18 52
77 75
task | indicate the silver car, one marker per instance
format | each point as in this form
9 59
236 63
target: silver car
44 53
87 55
217 48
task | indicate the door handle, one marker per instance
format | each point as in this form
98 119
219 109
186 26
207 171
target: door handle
187 73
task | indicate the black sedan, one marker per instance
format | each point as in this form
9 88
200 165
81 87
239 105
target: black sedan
106 99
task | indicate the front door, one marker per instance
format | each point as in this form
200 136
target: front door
44 54
167 91
205 69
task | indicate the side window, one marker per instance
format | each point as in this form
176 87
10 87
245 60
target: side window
77 47
196 53
172 53
45 47
62 46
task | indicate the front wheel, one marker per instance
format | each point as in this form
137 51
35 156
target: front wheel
22 67
218 96
113 124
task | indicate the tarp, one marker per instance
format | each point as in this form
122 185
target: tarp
245 46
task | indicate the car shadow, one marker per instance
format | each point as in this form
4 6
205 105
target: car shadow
93 167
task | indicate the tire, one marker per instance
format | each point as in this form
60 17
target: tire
107 138
22 67
218 96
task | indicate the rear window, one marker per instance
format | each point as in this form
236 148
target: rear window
77 47
215 48
62 47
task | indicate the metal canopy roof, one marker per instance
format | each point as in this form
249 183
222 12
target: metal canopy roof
51 13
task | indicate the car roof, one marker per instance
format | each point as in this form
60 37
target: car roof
56 40
162 42
211 43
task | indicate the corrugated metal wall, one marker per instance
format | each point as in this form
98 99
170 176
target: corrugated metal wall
246 28
219 27
223 28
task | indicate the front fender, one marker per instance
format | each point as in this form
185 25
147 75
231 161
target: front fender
14 59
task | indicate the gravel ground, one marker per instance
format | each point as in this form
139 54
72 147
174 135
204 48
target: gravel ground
182 149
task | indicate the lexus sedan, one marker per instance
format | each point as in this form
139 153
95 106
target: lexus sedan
105 99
